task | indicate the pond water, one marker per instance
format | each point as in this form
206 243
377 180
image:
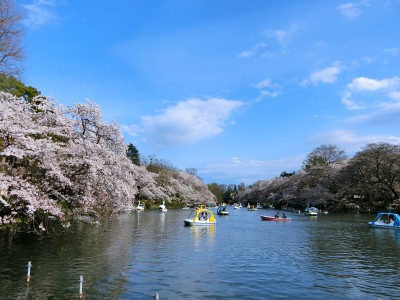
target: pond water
335 256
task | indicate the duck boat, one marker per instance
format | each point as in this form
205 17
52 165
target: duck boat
200 216
251 207
277 219
386 220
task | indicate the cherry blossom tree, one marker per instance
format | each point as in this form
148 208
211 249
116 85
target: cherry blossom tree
60 162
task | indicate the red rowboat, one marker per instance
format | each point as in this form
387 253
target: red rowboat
279 219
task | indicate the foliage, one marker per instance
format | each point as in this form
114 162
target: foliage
15 87
133 154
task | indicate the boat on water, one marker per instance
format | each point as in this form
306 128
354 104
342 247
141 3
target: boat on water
162 207
200 216
222 211
140 206
386 220
311 211
237 206
251 207
277 219
259 206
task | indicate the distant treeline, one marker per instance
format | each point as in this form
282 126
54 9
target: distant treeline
330 180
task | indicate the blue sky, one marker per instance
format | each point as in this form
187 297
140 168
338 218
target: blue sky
241 90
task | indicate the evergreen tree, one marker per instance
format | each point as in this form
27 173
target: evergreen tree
133 154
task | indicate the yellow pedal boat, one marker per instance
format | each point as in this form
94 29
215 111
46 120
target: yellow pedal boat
200 216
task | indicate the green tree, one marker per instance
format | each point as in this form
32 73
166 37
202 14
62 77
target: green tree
218 190
133 154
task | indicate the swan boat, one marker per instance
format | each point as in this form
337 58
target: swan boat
139 206
162 207
200 216
237 206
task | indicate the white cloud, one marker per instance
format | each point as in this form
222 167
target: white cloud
384 114
392 51
253 51
325 75
278 42
248 170
349 141
351 11
267 88
132 130
350 103
395 95
188 121
40 12
283 37
264 84
367 85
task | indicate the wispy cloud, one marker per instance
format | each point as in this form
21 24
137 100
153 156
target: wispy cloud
41 12
187 122
388 86
384 114
253 51
392 51
350 140
276 41
325 75
267 88
248 170
352 10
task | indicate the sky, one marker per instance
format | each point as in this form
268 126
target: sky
240 90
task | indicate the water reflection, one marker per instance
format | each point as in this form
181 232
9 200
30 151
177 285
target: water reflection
134 255
202 234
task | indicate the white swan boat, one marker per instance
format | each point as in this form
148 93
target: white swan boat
162 207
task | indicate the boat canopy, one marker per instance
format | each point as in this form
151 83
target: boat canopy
386 218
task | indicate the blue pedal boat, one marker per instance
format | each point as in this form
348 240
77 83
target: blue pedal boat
386 220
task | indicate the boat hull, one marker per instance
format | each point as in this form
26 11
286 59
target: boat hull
269 218
190 222
377 225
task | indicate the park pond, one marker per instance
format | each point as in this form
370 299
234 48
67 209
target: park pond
135 255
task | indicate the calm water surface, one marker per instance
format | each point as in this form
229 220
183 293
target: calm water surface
131 257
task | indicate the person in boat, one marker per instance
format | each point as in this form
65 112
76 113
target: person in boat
284 216
277 215
203 216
